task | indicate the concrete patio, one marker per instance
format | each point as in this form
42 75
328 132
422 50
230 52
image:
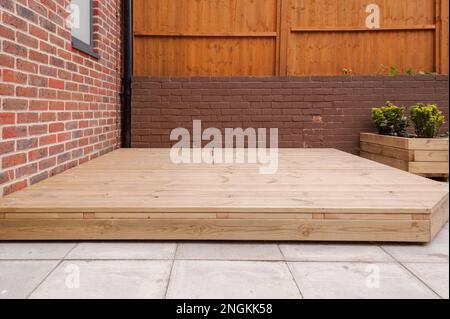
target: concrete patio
224 270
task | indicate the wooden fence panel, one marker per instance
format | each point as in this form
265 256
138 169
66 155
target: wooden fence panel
330 35
205 37
288 37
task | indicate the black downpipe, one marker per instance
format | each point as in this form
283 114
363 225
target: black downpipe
127 72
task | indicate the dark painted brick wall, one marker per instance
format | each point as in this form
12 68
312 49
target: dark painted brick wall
309 111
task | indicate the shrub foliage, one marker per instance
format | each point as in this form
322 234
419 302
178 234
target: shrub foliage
390 120
427 119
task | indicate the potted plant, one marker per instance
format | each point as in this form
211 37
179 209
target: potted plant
424 153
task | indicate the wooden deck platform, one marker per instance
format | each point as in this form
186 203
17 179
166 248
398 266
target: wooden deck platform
316 195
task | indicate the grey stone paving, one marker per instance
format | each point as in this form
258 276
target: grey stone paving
224 270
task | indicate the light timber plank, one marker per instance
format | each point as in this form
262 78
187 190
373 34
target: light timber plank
428 168
372 216
434 144
204 229
387 151
439 217
88 215
398 142
262 216
393 162
155 215
43 215
431 156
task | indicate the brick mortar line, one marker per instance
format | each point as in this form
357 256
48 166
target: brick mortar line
100 78
66 42
39 147
37 161
27 178
49 170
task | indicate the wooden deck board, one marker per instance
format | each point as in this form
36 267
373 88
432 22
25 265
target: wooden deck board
335 196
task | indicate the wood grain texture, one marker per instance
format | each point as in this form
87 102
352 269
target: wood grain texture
442 36
425 157
287 37
431 156
205 37
439 217
224 229
386 160
388 151
317 194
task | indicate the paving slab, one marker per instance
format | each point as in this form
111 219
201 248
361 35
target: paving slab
231 279
435 276
106 280
34 251
358 281
131 250
228 251
435 252
19 278
334 252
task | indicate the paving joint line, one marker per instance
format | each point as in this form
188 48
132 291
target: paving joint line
288 265
171 271
412 273
51 271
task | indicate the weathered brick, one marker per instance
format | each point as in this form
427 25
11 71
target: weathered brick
38 178
38 56
48 139
38 154
38 129
39 32
56 127
14 160
27 92
7 4
7 118
6 61
27 117
14 76
27 144
47 163
26 13
14 132
6 147
15 49
26 170
27 41
14 187
14 21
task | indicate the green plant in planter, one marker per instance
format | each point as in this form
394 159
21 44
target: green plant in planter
427 119
390 120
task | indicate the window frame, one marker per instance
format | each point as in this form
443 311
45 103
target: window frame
82 46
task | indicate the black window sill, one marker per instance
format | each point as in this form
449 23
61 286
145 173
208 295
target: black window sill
83 47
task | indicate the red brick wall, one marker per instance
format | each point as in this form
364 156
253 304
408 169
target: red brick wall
58 106
309 111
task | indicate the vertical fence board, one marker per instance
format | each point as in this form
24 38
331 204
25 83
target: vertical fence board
442 36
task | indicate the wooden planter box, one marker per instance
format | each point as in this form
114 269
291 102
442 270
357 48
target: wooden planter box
425 157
